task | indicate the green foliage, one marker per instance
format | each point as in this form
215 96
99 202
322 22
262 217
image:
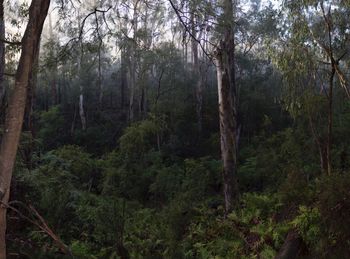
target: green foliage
247 233
141 137
64 175
308 224
334 206
145 235
51 124
81 250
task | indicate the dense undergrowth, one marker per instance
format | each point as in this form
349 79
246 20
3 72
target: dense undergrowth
144 200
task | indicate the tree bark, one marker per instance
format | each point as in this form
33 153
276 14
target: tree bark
15 113
2 54
225 57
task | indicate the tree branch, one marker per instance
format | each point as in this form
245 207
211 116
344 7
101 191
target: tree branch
188 30
9 74
14 43
42 225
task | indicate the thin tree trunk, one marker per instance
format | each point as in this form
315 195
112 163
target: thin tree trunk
81 88
99 79
31 93
143 105
99 69
29 110
81 109
15 113
320 145
72 128
132 64
330 122
54 89
2 53
123 77
228 108
131 85
198 74
54 99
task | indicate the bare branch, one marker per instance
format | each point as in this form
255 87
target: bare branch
42 225
188 30
9 74
15 43
88 15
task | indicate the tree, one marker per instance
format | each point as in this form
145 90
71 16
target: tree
197 66
227 93
79 75
15 113
224 59
315 44
2 52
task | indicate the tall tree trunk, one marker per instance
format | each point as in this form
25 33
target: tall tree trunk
99 68
132 64
31 93
225 58
330 121
14 116
322 149
123 78
143 105
197 72
144 71
81 109
54 98
28 113
2 54
99 78
81 88
72 128
131 85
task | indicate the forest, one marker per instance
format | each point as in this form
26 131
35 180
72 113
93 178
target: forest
174 129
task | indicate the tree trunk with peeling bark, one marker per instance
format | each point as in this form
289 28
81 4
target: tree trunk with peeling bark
225 57
15 113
